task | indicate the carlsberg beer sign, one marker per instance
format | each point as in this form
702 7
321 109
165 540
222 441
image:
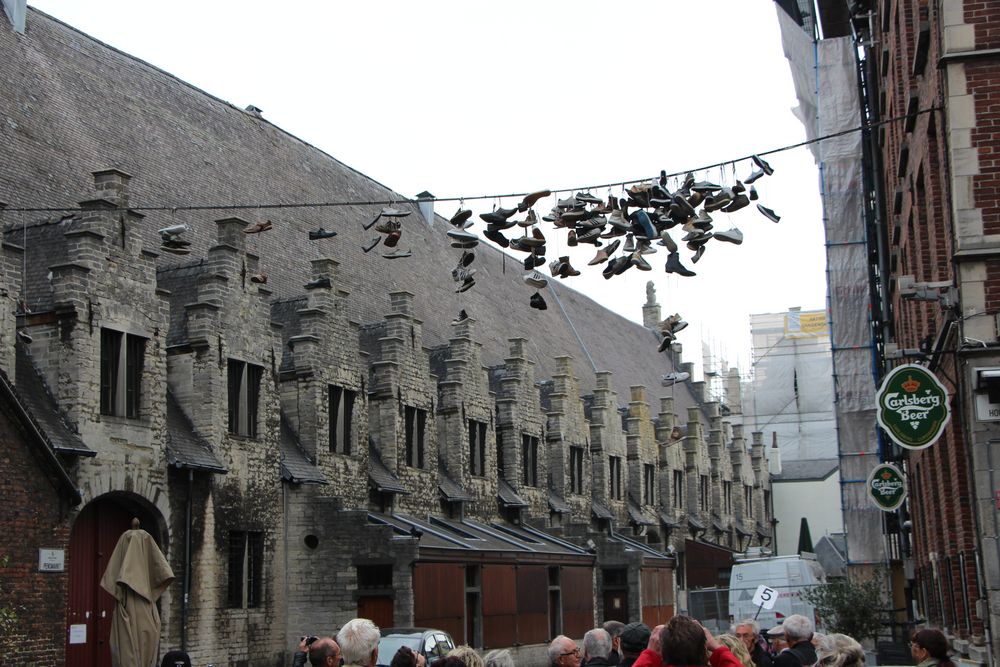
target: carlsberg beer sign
886 487
913 406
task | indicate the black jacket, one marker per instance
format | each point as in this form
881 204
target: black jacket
801 655
600 662
760 656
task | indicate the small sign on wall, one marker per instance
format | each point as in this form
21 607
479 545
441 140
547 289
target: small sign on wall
51 560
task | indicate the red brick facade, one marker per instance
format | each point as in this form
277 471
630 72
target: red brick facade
34 516
941 179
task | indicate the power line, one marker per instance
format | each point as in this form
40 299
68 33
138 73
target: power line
509 195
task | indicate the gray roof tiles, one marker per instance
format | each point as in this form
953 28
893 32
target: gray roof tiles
295 464
42 407
185 447
806 470
187 148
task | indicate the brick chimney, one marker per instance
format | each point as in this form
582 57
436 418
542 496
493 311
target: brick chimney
16 11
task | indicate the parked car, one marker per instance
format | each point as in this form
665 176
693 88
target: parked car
432 644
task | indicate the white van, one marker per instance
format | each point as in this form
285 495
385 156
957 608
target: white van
789 575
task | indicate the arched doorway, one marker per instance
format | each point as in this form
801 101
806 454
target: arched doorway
93 539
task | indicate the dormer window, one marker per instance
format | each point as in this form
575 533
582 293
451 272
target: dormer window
121 373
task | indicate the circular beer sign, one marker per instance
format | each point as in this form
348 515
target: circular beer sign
912 406
887 487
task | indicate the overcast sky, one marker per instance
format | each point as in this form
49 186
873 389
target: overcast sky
470 98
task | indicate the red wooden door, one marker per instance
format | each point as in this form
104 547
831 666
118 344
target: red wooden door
94 537
378 608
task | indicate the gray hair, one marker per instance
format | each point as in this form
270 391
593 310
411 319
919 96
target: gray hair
556 647
499 658
357 639
597 643
797 628
838 650
613 628
754 625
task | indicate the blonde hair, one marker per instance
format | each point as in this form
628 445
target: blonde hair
739 649
468 655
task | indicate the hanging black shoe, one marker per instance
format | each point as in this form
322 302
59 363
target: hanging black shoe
498 238
674 266
762 164
315 235
460 218
768 213
462 316
318 282
368 248
537 302
499 216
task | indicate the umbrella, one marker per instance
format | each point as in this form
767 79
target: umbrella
137 574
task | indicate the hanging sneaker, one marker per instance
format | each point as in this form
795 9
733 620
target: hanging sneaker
173 230
762 164
567 270
466 285
259 278
768 213
397 254
389 212
371 244
537 302
388 226
670 379
733 236
462 316
499 216
535 279
498 238
460 218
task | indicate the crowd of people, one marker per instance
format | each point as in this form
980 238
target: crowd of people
682 642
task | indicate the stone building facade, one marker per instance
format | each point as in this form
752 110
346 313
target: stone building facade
326 443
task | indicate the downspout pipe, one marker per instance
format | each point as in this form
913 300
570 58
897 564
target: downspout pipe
187 559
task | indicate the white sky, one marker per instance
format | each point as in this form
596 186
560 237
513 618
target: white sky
469 98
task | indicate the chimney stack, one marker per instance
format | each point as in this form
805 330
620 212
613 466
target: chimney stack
16 11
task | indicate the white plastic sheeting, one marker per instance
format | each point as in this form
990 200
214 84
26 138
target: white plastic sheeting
825 77
791 390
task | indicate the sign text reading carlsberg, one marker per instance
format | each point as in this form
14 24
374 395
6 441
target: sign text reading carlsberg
913 406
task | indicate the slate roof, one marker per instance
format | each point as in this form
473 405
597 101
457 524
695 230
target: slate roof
668 521
473 536
37 437
695 524
39 403
636 545
383 478
296 467
600 511
73 104
636 516
450 489
185 448
508 496
806 470
557 504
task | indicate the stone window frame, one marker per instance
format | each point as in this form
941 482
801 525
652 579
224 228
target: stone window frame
122 358
615 477
243 380
245 588
576 469
703 491
414 436
748 500
529 459
477 447
648 484
727 496
340 410
678 480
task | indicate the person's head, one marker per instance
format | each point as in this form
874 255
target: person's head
747 631
776 636
797 628
614 628
683 642
838 650
739 649
929 643
633 639
358 641
563 652
499 658
324 652
596 644
175 659
406 657
467 655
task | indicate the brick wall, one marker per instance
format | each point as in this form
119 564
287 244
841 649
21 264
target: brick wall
35 516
